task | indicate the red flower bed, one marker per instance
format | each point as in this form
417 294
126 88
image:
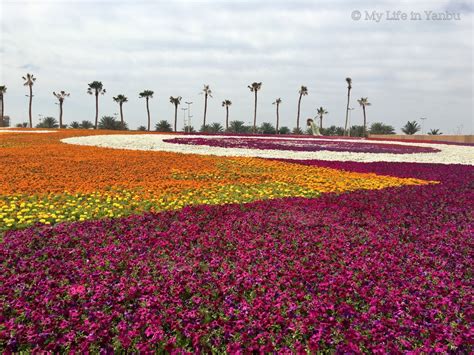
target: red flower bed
305 145
375 270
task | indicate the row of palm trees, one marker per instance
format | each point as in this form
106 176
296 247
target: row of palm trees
96 88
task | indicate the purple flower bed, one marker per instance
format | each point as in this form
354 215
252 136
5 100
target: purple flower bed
375 271
305 145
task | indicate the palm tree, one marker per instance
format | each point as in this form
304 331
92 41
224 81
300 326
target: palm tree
411 128
434 132
277 103
216 128
321 112
48 122
267 128
96 88
163 126
61 96
175 101
226 104
86 124
29 81
255 87
3 90
147 94
207 93
349 87
120 99
110 122
303 92
237 127
75 124
364 101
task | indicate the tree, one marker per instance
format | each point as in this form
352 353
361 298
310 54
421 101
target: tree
175 101
96 88
163 126
333 131
189 129
255 88
61 95
380 128
3 90
75 124
411 128
48 122
267 128
284 130
349 87
216 128
303 92
22 125
226 104
110 122
205 129
207 93
297 131
141 128
86 124
321 112
238 127
277 103
434 132
357 131
364 101
120 99
29 81
147 94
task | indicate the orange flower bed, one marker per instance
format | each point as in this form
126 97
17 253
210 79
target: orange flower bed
48 181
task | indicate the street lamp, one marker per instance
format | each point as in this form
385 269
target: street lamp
184 117
188 125
349 120
423 124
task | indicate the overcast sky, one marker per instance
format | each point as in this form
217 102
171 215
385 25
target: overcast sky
407 68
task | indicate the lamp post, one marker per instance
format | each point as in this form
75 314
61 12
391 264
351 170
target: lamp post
188 125
423 124
184 117
349 109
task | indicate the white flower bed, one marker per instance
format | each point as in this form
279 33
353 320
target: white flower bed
449 154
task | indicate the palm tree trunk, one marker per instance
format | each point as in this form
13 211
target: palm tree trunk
31 103
255 114
365 122
205 110
175 116
320 121
60 114
278 118
226 117
121 116
347 111
148 112
298 115
2 121
96 110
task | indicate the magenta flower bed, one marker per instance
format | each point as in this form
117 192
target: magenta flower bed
305 145
387 270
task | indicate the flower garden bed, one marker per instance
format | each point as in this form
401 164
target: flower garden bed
326 256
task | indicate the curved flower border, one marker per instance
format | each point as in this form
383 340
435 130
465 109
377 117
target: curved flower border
448 154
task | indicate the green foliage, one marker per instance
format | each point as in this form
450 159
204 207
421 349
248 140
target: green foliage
435 132
411 128
332 131
381 128
163 126
22 125
75 124
86 124
141 128
48 122
297 130
284 130
238 127
217 128
111 123
267 128
189 129
205 129
357 131
96 88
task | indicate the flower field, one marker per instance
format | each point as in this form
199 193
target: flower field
125 250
